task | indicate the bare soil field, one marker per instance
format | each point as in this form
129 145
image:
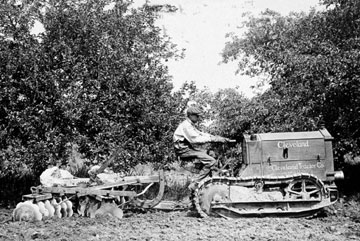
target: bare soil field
340 223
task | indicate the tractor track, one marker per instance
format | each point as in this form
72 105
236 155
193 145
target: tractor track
249 182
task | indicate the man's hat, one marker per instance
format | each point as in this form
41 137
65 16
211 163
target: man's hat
194 110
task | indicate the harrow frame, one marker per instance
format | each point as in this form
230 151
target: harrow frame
106 191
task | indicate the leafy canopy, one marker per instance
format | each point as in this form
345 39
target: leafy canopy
95 77
312 65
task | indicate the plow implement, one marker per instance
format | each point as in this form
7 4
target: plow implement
132 192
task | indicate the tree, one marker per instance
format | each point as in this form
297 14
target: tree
95 77
311 61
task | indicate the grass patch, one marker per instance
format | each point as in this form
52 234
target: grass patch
177 180
177 191
349 206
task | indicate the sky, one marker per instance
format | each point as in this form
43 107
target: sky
200 26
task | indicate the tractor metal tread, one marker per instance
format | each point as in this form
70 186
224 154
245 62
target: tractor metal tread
238 181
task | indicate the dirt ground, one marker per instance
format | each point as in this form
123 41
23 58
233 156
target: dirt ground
185 225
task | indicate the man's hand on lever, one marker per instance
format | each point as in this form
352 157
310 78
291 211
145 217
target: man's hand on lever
230 140
221 139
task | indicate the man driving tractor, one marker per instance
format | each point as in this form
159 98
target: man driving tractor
187 135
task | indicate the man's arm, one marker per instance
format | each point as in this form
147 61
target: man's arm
193 135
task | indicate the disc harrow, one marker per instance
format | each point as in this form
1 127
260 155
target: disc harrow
90 200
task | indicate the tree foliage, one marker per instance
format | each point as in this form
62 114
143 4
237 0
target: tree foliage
95 77
312 64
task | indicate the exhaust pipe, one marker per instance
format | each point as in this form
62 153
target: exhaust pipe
335 176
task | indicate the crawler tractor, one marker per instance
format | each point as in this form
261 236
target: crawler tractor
287 174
